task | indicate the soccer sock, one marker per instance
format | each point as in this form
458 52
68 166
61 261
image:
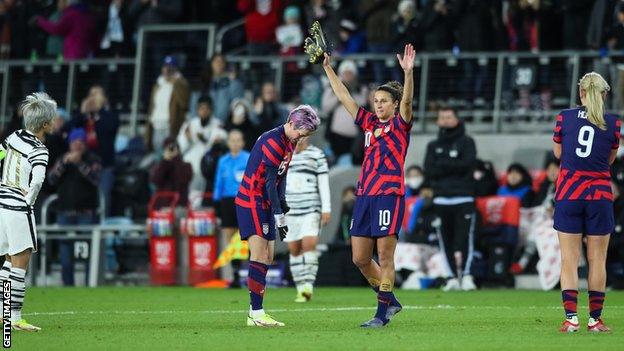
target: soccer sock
569 298
384 299
310 259
4 273
256 281
18 290
596 300
375 286
297 269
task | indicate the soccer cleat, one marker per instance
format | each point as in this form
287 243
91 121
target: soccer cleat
307 293
467 283
300 298
451 284
25 326
569 326
516 268
374 323
263 321
393 309
597 326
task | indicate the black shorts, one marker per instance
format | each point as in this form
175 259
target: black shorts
227 213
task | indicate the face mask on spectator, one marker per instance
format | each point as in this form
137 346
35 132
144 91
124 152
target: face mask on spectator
414 182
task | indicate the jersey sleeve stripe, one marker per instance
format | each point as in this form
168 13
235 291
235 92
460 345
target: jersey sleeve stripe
270 156
276 146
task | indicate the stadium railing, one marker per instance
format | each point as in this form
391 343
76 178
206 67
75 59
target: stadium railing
495 91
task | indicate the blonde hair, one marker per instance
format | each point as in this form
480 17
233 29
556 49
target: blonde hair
595 86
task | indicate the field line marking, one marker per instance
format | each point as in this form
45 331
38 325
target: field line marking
283 310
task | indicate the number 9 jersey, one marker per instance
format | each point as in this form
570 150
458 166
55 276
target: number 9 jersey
583 197
585 150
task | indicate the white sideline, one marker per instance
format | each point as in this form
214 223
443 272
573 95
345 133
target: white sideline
282 310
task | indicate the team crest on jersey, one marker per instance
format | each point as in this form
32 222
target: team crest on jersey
265 228
377 132
387 129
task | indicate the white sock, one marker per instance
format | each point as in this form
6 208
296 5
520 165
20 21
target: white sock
18 290
256 313
310 259
297 269
4 273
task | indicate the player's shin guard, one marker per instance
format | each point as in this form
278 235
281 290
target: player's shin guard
310 259
297 269
256 281
569 298
18 290
596 301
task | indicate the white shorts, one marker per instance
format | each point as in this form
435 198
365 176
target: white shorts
17 232
305 225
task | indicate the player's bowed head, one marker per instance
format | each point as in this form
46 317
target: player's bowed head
302 122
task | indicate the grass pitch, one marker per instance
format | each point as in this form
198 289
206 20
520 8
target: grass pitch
204 319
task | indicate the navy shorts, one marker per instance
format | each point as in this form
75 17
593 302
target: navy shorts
377 216
585 217
255 221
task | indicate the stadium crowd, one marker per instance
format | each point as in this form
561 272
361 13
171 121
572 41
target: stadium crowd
196 122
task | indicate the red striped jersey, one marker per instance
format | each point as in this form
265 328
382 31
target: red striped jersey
272 149
585 149
385 145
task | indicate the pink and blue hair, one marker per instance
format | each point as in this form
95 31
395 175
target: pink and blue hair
304 117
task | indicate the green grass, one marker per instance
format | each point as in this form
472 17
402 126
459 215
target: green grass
203 319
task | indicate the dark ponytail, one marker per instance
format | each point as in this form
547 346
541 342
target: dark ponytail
394 88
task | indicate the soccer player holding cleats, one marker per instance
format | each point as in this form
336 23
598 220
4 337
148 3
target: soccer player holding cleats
586 140
23 162
380 204
260 202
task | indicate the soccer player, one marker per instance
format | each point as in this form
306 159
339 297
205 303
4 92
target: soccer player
379 204
586 140
307 195
260 202
24 159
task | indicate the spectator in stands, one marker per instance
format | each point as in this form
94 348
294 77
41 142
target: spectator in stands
168 104
222 86
241 115
449 168
269 111
172 173
143 12
346 213
289 35
486 183
101 123
544 202
117 30
327 13
342 132
576 14
414 179
54 43
615 41
377 21
76 176
261 19
437 25
518 185
77 26
196 137
228 176
405 26
422 223
352 40
546 191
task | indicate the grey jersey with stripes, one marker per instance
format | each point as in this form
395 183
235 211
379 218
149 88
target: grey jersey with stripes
307 183
23 169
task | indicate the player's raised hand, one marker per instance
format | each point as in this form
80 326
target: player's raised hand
327 60
407 61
